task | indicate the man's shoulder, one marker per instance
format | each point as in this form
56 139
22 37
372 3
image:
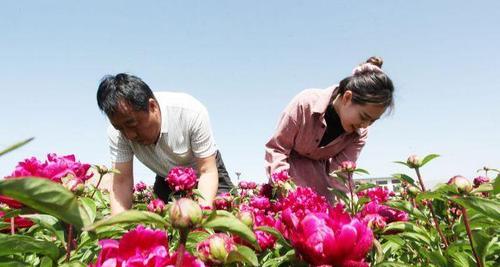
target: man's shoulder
178 100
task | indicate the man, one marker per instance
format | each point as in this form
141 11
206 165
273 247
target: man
162 130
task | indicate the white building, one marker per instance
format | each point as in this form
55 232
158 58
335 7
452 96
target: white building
390 183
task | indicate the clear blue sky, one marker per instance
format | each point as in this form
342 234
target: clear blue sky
245 61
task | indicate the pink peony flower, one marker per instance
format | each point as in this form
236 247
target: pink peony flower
347 166
188 261
377 215
182 179
138 247
304 200
215 249
156 206
140 186
265 190
247 185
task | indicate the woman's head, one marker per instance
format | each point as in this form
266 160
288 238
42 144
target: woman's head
365 95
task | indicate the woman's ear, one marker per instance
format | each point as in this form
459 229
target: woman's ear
346 97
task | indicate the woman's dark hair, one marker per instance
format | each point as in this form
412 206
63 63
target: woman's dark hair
369 84
122 86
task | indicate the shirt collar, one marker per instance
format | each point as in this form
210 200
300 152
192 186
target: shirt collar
324 99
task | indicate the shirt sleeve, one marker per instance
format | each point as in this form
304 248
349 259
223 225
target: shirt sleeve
282 142
202 140
351 152
119 147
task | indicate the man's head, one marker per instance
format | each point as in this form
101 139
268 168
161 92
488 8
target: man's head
131 107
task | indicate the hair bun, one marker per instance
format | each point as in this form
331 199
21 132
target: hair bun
372 65
377 61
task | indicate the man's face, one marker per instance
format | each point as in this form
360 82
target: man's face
141 127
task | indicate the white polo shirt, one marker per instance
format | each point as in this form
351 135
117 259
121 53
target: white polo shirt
184 136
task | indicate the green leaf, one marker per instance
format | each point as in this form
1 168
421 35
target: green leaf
275 233
437 258
47 197
404 178
90 207
8 262
410 230
487 207
130 217
402 162
486 187
428 158
379 253
363 171
11 244
72 264
391 264
243 254
496 185
364 186
15 146
233 225
483 242
46 262
50 223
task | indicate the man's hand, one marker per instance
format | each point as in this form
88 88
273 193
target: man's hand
209 179
122 187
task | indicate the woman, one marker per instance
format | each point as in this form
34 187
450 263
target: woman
320 128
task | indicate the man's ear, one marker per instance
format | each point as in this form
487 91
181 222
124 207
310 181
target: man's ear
152 105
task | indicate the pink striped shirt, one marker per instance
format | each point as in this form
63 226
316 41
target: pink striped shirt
294 146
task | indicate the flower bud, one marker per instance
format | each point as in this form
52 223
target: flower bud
463 184
480 180
215 249
156 206
413 191
102 169
185 213
246 217
347 166
414 162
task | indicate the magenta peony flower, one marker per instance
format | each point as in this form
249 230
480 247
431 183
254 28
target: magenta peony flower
265 190
19 222
480 180
377 215
138 247
156 206
304 200
260 203
347 166
223 201
54 168
182 179
280 177
140 186
379 194
188 261
321 240
215 249
12 203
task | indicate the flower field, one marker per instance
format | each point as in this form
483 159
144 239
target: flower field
52 216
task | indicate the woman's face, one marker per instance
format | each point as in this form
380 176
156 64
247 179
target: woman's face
354 116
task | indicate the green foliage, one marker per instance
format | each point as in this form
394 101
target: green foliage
222 221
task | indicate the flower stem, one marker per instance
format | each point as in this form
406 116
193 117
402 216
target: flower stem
469 233
97 186
181 249
351 189
429 204
70 239
12 226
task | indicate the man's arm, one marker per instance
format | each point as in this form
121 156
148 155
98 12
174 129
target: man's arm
209 179
122 187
